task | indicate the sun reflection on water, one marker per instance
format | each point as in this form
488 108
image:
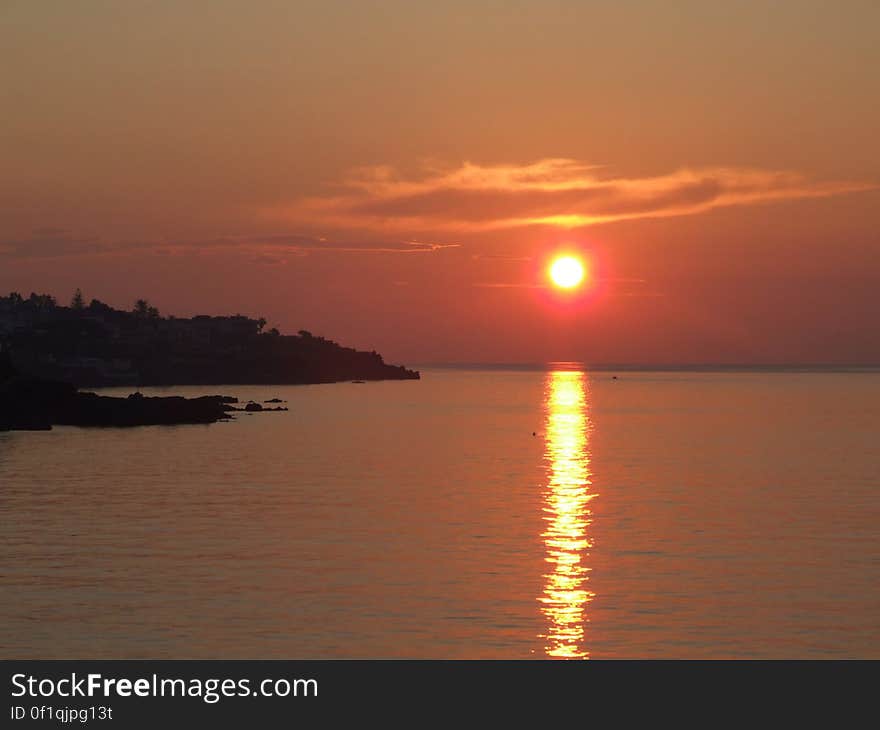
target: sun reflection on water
567 515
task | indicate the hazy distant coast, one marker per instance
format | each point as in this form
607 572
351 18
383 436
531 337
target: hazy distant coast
95 345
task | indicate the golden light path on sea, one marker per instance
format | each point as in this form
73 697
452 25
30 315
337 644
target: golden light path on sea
567 514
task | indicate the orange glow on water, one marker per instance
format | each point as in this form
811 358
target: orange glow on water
567 514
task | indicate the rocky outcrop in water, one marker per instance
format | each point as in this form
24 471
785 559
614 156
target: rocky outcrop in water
30 404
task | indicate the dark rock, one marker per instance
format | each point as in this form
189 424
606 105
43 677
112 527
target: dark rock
28 403
274 400
7 369
90 409
253 407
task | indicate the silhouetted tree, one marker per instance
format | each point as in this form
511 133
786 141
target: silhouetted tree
41 301
77 302
261 322
144 310
98 305
274 332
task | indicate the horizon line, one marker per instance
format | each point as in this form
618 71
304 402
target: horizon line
650 367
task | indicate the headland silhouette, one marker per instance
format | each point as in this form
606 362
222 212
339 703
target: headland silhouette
48 352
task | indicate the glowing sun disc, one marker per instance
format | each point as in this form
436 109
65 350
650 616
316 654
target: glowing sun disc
566 272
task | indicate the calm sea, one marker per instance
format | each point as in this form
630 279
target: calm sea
472 514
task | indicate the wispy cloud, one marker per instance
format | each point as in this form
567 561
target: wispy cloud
303 245
554 192
506 285
523 285
52 244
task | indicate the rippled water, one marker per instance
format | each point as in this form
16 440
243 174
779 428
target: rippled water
470 514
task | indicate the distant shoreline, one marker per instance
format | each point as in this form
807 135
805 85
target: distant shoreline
608 368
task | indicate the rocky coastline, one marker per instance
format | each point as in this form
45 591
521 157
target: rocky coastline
50 353
96 346
36 404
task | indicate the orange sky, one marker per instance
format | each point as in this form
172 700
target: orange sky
394 175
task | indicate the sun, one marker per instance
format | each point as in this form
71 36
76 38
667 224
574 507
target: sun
566 272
